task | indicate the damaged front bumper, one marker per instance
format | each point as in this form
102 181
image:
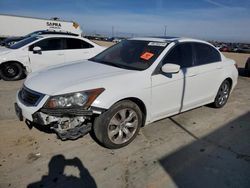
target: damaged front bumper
68 123
65 127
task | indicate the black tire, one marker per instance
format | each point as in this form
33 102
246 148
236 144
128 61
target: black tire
222 94
102 124
11 71
247 67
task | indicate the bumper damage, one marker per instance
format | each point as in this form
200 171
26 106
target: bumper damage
66 128
67 124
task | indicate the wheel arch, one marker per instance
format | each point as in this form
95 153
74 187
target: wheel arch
230 81
13 61
140 104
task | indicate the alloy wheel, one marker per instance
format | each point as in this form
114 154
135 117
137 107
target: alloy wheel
223 94
123 126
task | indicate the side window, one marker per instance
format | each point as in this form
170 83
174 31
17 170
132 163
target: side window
86 44
49 44
181 55
76 44
206 54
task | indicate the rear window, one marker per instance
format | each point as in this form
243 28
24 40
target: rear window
206 54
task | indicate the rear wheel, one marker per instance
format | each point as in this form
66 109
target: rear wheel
119 125
11 71
222 95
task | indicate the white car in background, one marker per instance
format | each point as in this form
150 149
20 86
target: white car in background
38 52
130 84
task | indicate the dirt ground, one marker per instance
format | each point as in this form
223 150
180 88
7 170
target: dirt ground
204 147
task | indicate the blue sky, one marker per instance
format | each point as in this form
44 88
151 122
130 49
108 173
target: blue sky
225 20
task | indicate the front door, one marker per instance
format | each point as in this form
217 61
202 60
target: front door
167 94
169 90
52 53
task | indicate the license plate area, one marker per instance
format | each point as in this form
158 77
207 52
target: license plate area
18 111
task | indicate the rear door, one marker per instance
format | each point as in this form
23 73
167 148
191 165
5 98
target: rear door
52 53
77 49
203 78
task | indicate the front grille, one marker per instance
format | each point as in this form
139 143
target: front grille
67 112
29 97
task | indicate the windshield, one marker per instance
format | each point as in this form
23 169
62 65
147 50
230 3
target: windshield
33 33
131 54
23 42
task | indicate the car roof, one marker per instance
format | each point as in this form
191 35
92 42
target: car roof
156 39
168 39
43 32
59 35
56 32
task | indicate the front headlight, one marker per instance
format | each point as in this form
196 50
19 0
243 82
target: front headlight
78 99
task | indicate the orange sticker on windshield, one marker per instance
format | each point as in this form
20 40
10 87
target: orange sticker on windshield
147 56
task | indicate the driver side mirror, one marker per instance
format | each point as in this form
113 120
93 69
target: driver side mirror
170 68
37 50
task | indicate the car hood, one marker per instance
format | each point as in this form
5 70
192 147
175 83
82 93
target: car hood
78 76
4 51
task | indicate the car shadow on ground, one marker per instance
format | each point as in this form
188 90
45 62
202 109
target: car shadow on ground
220 159
57 179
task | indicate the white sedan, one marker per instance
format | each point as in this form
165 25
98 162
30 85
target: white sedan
127 86
40 51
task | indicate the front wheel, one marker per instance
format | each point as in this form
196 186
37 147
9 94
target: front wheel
118 126
11 71
222 94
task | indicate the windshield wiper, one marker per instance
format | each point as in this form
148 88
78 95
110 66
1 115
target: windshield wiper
107 63
115 65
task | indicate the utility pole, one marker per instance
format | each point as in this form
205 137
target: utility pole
165 30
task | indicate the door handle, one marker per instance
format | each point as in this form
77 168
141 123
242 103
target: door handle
60 54
192 74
